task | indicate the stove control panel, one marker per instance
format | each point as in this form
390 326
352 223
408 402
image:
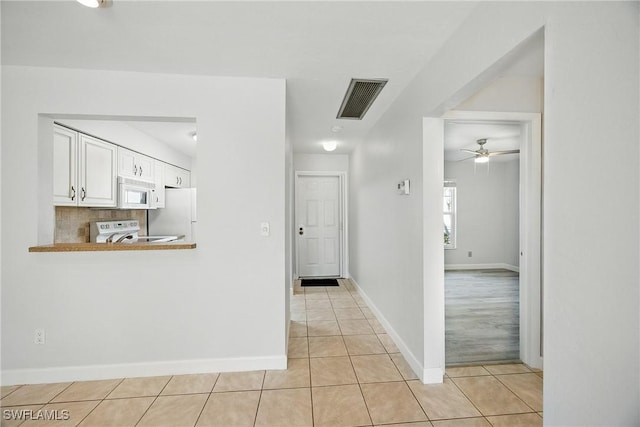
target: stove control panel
113 226
105 231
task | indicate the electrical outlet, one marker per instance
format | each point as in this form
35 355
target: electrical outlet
38 336
265 229
469 254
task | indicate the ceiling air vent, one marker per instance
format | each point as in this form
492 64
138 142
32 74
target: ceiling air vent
359 97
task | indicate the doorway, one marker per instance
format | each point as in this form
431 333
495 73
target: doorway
320 225
481 221
530 314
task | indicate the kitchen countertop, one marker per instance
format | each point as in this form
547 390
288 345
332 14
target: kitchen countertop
100 247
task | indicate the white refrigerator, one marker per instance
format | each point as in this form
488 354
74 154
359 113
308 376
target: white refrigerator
178 217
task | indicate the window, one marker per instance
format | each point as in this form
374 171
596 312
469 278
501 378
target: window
449 214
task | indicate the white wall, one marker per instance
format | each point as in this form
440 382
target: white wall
591 290
591 282
321 162
512 222
487 213
113 314
289 217
385 237
516 94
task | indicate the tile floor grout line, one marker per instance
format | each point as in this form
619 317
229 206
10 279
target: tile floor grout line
406 383
90 412
354 372
154 400
313 420
361 392
207 400
99 403
203 406
117 385
493 415
465 395
255 417
49 402
62 391
12 391
24 421
515 394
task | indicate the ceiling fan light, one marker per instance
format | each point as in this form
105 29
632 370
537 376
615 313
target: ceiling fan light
482 159
89 3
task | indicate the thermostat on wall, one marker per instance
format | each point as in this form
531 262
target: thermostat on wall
403 187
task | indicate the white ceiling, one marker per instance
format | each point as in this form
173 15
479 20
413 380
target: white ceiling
317 46
178 135
499 135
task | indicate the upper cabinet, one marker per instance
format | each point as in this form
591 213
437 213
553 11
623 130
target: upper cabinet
158 192
84 170
65 172
175 177
135 165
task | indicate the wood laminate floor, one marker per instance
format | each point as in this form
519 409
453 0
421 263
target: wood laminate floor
481 316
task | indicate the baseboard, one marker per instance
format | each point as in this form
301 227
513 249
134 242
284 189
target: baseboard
427 376
152 369
490 266
536 363
433 375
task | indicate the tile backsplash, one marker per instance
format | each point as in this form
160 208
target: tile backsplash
72 224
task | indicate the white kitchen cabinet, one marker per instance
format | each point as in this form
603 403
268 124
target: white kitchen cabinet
158 193
98 174
65 172
176 177
84 170
135 165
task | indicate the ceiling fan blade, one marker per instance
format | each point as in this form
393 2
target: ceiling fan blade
498 153
464 160
468 151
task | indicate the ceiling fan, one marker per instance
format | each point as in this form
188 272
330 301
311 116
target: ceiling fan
481 155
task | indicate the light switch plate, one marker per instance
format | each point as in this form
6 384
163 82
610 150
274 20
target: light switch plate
403 187
265 229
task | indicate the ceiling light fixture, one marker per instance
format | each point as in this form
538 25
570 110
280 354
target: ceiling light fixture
329 145
482 159
93 3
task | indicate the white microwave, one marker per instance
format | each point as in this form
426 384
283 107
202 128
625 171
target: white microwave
134 194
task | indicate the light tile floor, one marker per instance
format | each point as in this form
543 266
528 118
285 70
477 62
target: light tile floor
343 370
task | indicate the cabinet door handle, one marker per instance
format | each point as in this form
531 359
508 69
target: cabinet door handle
84 193
135 169
140 170
73 196
177 180
180 180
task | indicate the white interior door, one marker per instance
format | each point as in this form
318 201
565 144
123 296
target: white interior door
318 226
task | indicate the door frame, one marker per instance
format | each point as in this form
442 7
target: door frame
531 223
342 212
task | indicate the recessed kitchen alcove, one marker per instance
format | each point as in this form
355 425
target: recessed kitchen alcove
168 143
